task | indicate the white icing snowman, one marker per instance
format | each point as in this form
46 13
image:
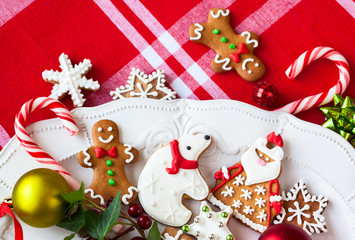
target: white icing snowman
170 173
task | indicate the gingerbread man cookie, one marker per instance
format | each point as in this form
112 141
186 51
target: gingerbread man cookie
107 158
233 51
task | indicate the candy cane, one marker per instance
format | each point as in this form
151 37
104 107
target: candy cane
31 147
323 97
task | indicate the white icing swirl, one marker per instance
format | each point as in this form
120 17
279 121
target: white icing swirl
129 195
226 61
128 151
93 196
248 41
219 13
244 65
87 158
197 32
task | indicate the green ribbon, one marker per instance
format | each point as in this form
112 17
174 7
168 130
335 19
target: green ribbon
341 118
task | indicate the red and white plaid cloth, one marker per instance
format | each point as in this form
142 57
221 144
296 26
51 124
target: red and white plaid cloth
117 35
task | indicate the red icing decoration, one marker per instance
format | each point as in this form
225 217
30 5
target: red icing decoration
277 206
273 204
100 152
220 175
5 209
178 160
241 49
265 94
275 138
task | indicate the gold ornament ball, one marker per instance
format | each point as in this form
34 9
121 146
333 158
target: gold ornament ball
37 199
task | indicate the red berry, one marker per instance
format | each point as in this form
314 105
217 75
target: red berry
135 210
137 238
265 94
144 221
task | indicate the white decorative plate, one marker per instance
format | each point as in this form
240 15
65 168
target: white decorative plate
324 160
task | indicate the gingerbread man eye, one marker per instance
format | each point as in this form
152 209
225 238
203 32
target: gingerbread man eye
109 129
188 148
99 129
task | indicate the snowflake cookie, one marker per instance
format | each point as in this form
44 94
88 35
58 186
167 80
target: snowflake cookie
70 80
303 209
209 224
144 86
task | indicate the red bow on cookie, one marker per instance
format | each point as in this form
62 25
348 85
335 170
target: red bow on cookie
100 152
241 49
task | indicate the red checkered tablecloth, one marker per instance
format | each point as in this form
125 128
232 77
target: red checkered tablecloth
117 35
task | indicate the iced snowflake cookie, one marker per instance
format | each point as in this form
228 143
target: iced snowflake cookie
107 158
70 80
303 209
209 224
170 175
145 86
251 186
171 233
233 51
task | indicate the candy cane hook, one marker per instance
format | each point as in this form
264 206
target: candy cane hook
324 97
31 147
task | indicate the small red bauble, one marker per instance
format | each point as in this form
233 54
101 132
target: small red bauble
284 231
265 94
135 210
144 221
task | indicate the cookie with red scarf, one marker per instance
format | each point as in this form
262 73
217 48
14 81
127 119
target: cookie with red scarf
107 157
251 186
170 175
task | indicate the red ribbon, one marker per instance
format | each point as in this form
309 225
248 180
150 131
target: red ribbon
178 160
241 49
100 152
220 175
276 205
5 209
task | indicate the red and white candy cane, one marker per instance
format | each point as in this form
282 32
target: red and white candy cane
323 97
31 147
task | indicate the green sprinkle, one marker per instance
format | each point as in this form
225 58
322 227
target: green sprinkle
205 209
110 173
111 182
185 228
215 31
109 163
224 215
232 46
223 39
229 237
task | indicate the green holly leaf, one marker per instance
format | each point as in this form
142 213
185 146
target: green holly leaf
71 236
98 225
75 222
154 233
75 196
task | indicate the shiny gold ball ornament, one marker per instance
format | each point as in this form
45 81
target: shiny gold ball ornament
37 197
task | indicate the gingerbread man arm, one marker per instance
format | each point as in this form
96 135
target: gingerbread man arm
131 154
86 158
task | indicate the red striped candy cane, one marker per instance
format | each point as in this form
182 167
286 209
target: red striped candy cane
323 97
31 147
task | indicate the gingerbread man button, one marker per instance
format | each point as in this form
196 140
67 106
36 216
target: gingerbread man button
233 51
107 158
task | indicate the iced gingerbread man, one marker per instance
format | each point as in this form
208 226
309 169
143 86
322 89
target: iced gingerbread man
107 158
233 51
251 186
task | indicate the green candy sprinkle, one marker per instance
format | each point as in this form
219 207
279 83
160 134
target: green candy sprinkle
232 46
223 39
215 31
109 163
111 182
110 172
224 215
229 237
205 209
185 228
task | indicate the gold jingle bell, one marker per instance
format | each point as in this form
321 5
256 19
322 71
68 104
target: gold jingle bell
37 199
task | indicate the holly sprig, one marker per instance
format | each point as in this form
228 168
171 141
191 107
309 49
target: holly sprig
82 214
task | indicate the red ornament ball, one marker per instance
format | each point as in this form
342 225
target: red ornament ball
144 221
265 94
135 210
284 231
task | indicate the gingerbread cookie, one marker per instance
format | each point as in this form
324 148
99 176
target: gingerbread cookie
171 233
144 86
251 186
70 80
107 158
303 209
233 51
170 175
209 224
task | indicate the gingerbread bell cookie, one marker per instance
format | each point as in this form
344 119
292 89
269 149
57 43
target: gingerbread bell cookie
170 175
303 209
107 158
142 85
251 186
233 51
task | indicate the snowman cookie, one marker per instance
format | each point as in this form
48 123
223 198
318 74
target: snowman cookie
107 158
251 186
170 175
